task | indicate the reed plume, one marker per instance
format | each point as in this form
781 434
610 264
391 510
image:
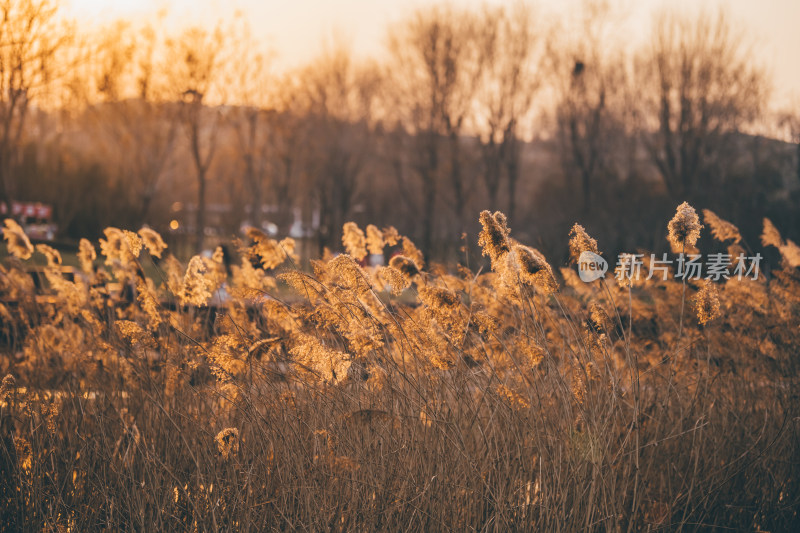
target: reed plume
354 241
375 240
580 242
533 269
493 238
707 303
684 228
197 283
152 241
722 230
86 255
17 242
227 442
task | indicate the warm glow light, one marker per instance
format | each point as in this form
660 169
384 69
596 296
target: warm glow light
297 30
174 224
103 9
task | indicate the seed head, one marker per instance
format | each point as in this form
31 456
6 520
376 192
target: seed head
707 303
134 242
512 398
534 270
347 274
146 296
580 242
390 236
133 333
152 241
7 387
325 363
533 353
493 239
116 247
86 255
52 255
197 283
396 280
599 320
228 442
17 242
407 267
374 240
440 298
722 230
24 453
790 253
771 236
354 241
684 228
413 253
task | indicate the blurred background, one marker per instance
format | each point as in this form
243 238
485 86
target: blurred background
200 118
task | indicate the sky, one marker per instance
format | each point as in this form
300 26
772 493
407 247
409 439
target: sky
296 30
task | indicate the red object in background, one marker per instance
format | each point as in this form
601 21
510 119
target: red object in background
35 218
28 210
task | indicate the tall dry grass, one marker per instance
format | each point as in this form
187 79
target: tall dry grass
404 397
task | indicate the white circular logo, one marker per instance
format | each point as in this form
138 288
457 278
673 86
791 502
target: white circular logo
591 266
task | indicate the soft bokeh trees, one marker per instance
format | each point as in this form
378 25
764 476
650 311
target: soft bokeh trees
193 65
509 55
337 99
699 85
248 86
789 122
31 37
432 75
590 78
137 122
499 107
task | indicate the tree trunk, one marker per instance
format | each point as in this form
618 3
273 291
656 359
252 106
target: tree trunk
798 161
512 175
456 179
256 205
200 229
428 175
492 173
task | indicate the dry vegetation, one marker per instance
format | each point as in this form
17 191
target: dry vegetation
410 397
261 390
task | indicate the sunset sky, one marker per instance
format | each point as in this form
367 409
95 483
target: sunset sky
296 30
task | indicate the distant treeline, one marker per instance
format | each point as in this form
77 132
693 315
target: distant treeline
498 108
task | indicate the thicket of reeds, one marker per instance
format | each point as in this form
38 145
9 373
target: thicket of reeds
260 395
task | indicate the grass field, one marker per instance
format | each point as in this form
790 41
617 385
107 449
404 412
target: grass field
408 397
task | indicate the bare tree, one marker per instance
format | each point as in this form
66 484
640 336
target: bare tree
433 74
30 39
248 88
139 125
590 83
700 85
289 146
508 56
789 122
338 98
193 66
